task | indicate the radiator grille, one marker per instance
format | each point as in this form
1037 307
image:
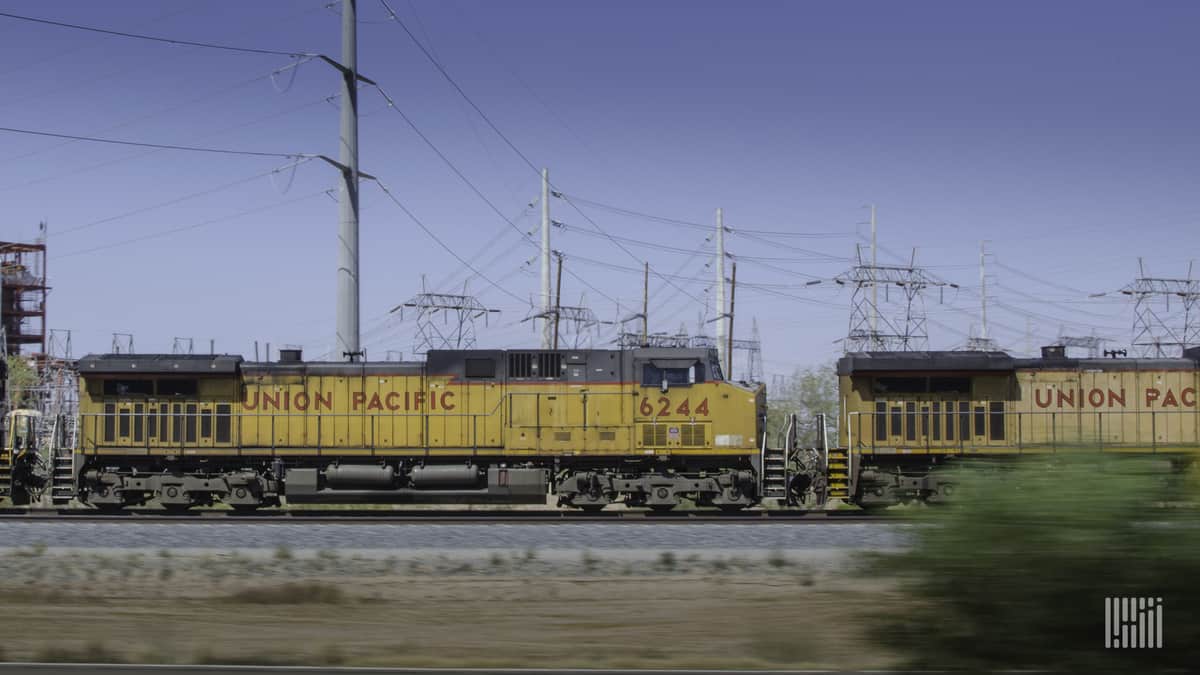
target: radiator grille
654 435
692 435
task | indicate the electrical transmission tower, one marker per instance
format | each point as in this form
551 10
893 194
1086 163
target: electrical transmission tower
181 345
578 322
754 364
57 395
888 326
457 328
562 320
1158 329
122 343
1092 343
631 340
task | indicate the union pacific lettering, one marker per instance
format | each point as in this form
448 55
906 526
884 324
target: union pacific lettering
1108 398
303 401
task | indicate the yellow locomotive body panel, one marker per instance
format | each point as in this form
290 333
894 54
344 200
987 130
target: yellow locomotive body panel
972 404
644 426
905 413
264 411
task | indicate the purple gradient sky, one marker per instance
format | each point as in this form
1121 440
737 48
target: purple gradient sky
1064 133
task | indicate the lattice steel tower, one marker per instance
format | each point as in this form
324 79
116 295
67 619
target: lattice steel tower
888 326
1158 329
458 313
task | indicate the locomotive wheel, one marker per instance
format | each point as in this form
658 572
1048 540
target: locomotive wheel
661 508
244 508
177 508
591 508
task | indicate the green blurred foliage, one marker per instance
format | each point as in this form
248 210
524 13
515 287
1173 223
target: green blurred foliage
806 392
1015 573
22 378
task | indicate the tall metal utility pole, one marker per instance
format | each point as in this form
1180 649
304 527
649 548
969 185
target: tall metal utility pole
557 302
729 346
721 347
876 342
547 329
347 342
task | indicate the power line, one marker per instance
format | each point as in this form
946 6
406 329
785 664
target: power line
760 258
139 118
157 146
801 235
1039 280
479 193
437 64
533 167
177 200
632 242
443 244
701 226
639 214
60 53
789 247
621 246
154 38
446 160
211 221
110 162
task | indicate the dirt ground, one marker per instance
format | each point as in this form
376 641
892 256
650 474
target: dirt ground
497 609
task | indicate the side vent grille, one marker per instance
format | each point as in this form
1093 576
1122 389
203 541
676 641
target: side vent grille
549 365
520 365
562 436
654 435
692 435
608 435
545 365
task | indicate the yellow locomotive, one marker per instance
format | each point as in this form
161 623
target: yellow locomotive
646 427
906 413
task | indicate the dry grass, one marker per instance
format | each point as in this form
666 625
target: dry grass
673 612
292 593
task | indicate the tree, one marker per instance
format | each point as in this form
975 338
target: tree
806 392
22 378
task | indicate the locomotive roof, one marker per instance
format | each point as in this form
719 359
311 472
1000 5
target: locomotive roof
893 362
182 364
856 363
436 361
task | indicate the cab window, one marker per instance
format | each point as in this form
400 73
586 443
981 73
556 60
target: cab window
653 376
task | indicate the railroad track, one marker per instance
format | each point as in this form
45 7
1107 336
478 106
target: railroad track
443 516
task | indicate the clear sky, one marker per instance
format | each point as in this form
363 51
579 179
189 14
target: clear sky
1063 133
